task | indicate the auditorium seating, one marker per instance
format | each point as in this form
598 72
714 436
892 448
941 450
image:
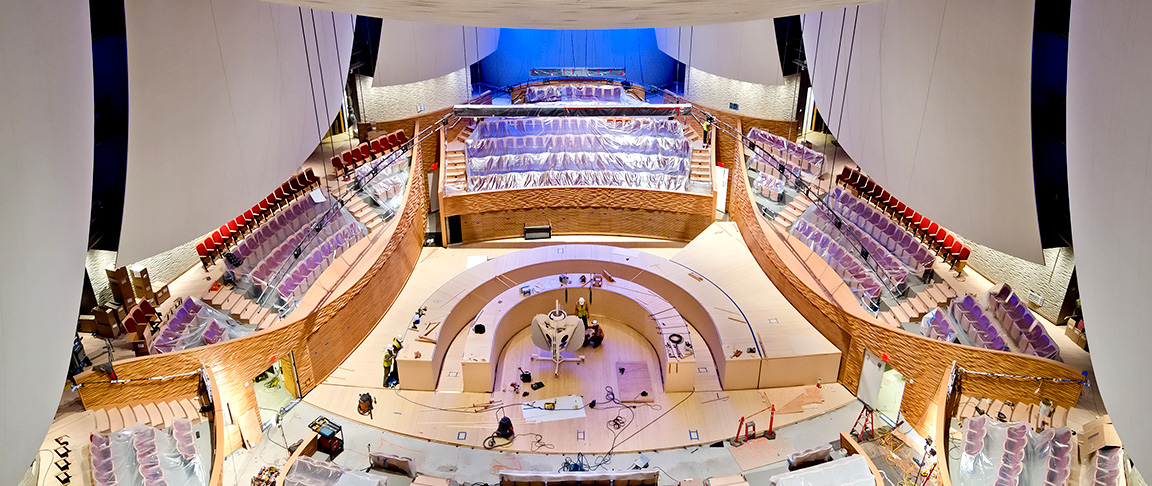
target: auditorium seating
1023 329
789 152
844 262
229 234
349 160
945 244
768 186
936 325
892 237
545 152
574 92
888 263
193 324
335 240
383 180
972 321
141 454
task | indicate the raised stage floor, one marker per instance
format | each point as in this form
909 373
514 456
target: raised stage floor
672 420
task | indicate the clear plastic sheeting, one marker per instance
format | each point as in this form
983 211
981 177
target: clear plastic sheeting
975 323
1106 468
859 280
574 92
888 263
541 152
307 471
996 453
848 471
1022 327
789 152
383 182
891 236
936 325
769 187
195 324
145 456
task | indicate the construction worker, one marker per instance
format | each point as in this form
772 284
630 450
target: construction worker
707 126
582 311
594 335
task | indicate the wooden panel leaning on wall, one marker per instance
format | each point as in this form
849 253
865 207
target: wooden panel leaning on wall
317 340
922 359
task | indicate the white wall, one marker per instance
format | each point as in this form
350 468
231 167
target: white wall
756 100
46 113
742 51
932 99
411 52
388 103
1109 71
221 110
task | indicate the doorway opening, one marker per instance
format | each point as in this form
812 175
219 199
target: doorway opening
276 390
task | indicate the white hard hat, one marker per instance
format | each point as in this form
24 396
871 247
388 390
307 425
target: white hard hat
595 322
581 301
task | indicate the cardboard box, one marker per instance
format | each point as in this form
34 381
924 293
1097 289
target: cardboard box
109 331
138 343
105 315
161 296
121 284
121 313
144 292
87 323
1097 434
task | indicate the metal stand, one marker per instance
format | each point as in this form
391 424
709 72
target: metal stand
558 358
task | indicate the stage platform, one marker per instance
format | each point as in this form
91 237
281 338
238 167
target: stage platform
750 310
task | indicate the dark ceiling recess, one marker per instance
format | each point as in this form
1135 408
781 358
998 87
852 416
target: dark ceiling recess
364 45
1049 150
110 150
790 44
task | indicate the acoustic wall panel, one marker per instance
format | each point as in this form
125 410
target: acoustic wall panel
932 99
226 99
46 129
744 51
1109 71
411 52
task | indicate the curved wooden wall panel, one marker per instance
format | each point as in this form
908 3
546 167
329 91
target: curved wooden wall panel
584 221
319 341
924 360
579 197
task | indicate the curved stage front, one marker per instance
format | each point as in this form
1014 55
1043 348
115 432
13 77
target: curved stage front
453 380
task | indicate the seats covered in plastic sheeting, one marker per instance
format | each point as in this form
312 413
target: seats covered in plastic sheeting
894 238
859 280
1107 468
848 471
885 259
769 187
974 323
787 151
384 180
640 153
256 246
1023 329
145 456
1010 454
936 325
574 92
307 471
195 324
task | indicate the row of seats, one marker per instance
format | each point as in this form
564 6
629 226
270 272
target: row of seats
267 266
859 280
367 151
195 324
518 127
805 158
141 454
588 142
221 240
306 270
254 248
947 246
577 92
1022 326
936 325
890 235
891 266
998 452
770 165
769 187
973 322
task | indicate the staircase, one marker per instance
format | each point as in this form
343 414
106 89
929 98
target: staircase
155 414
700 169
690 133
789 214
454 174
466 132
916 305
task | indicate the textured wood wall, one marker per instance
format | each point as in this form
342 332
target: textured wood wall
579 197
319 341
584 221
924 360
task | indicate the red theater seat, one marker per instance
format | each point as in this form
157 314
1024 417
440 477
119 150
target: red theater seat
310 177
348 158
393 140
375 144
202 250
960 258
401 136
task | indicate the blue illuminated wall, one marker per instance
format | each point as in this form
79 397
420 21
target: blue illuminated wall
633 49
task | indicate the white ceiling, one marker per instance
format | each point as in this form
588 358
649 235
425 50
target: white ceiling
575 14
